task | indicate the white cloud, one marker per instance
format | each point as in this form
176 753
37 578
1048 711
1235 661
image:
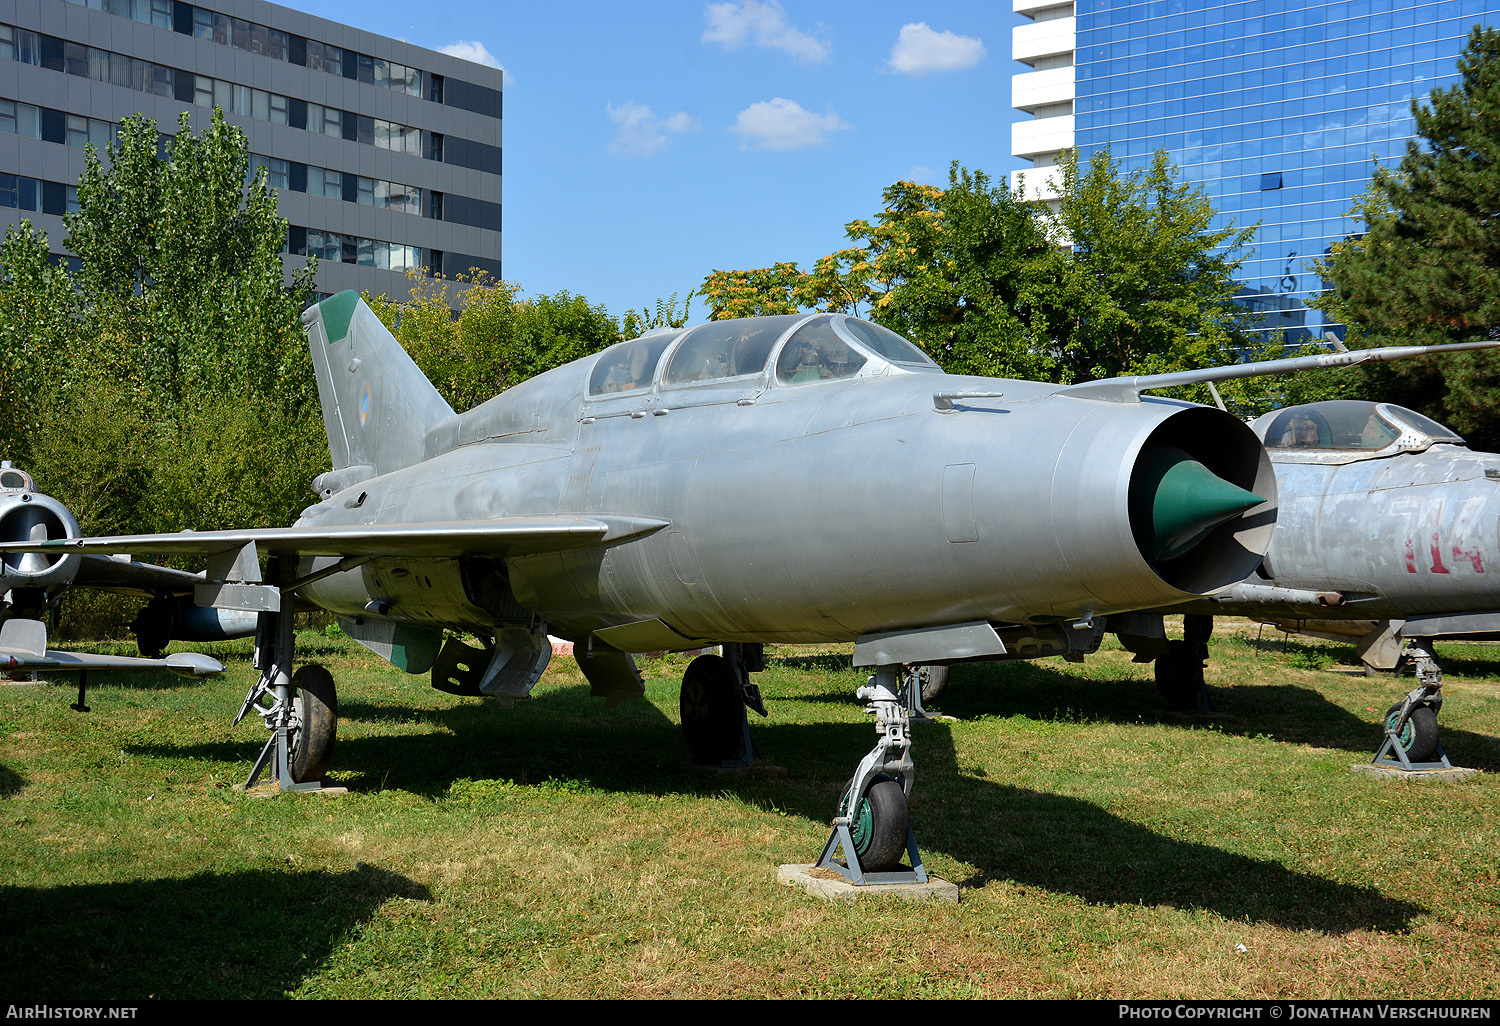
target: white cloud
475 51
780 124
764 23
642 133
919 50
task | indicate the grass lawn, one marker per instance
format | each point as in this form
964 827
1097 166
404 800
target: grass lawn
563 849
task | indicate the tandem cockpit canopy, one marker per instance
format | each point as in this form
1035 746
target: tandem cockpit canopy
793 349
1344 430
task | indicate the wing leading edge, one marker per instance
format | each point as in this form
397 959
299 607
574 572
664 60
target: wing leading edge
23 647
505 536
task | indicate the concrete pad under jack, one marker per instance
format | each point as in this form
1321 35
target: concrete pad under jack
826 883
1443 776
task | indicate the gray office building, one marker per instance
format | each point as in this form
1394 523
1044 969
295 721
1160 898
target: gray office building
386 156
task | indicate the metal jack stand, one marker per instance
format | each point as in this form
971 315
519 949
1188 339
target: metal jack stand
1393 756
889 700
851 870
273 657
1428 692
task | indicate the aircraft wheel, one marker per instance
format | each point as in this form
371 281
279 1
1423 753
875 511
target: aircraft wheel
1419 735
710 705
316 704
933 681
152 628
880 823
1179 675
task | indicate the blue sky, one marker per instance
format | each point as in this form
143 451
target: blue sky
648 143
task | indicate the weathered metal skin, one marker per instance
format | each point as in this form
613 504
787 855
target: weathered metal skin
799 513
1400 531
30 582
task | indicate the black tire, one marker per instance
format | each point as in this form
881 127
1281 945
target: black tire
152 628
711 704
1419 734
934 681
880 823
314 697
1179 675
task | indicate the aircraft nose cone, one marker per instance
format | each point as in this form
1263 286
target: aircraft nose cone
1176 502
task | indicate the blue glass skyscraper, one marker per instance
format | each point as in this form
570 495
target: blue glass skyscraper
1278 108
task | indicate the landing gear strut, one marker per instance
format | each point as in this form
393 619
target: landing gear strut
300 711
1411 729
716 692
1179 670
872 826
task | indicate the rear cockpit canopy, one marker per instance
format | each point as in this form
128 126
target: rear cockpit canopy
791 349
1346 430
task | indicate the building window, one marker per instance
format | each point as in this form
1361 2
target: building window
1270 180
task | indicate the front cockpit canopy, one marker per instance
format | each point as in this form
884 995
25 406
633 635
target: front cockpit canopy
803 348
1343 430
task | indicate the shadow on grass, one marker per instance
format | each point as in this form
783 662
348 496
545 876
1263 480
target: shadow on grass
11 782
1283 712
244 935
1043 840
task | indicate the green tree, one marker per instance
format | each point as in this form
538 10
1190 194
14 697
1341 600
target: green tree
497 340
760 292
190 354
637 322
37 329
1427 269
1148 283
984 281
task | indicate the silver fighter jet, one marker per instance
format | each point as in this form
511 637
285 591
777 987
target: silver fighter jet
1385 536
804 478
32 584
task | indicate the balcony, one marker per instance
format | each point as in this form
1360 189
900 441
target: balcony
1031 8
1033 89
1029 43
1041 135
1039 183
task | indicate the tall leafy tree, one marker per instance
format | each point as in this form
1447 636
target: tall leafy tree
497 339
1129 275
37 328
188 399
1148 283
1427 269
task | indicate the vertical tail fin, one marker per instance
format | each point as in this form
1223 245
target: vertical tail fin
377 405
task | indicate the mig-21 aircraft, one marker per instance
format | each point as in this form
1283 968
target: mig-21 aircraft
793 479
1385 537
32 584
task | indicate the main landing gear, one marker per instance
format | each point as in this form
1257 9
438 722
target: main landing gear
1411 729
1179 670
299 709
716 692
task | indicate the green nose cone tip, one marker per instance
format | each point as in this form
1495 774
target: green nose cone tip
1176 502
